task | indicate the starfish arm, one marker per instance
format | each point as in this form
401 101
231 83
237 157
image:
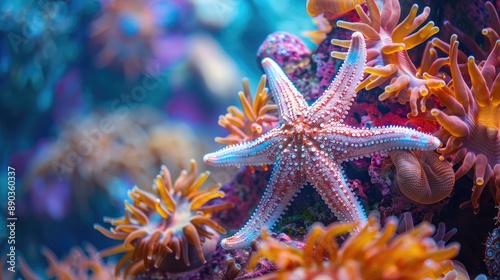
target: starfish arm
348 143
256 152
330 183
284 184
290 101
337 99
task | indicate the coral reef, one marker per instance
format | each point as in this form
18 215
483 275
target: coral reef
288 51
492 253
100 151
293 55
298 219
160 229
244 190
409 122
441 236
319 127
385 196
323 65
37 50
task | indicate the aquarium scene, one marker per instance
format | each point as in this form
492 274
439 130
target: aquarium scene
249 139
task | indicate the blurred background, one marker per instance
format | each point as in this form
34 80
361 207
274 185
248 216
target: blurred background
95 95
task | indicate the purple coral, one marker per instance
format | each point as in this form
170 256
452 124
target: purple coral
244 191
289 51
292 54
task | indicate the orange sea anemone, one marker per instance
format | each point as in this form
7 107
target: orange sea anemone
158 229
76 266
471 121
371 254
255 119
387 45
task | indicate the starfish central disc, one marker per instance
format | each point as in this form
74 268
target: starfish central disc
309 145
299 128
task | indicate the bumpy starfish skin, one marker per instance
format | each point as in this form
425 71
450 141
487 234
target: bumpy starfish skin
309 145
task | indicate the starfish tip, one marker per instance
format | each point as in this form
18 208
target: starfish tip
268 62
225 244
434 142
208 158
357 34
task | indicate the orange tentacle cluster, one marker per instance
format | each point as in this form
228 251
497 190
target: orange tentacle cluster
387 45
491 32
155 226
421 176
319 35
335 8
371 254
471 121
77 265
254 120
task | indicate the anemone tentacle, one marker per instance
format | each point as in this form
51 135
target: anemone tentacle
166 222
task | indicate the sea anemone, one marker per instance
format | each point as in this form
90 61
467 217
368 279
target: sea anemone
442 236
171 223
255 119
387 57
77 265
371 254
471 121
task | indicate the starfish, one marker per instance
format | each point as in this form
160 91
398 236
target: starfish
310 143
